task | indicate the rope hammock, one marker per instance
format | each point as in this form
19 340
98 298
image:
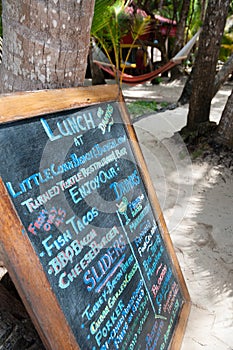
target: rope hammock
143 78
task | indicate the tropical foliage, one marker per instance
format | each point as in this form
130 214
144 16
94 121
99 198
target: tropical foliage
111 22
226 47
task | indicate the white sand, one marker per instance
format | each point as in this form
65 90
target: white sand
197 202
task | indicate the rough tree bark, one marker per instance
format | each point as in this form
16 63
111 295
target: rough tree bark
224 131
45 43
223 74
219 80
205 64
180 34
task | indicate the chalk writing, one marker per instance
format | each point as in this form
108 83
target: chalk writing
155 288
57 243
32 205
136 205
95 275
46 219
153 337
124 186
76 246
132 335
78 141
109 268
78 225
69 126
98 151
79 193
66 278
133 226
169 328
147 241
54 170
122 209
107 118
144 227
171 297
111 284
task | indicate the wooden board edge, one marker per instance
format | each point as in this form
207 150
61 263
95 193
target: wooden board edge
181 326
36 294
184 314
22 105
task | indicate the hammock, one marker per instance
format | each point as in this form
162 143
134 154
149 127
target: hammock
143 78
131 79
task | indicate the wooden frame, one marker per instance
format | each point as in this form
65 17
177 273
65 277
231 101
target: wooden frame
18 253
127 65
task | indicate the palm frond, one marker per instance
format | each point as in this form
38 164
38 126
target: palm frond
111 22
102 14
106 28
141 26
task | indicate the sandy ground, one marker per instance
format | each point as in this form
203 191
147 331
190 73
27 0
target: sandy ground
197 202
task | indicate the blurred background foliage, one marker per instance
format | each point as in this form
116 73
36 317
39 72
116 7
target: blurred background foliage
110 14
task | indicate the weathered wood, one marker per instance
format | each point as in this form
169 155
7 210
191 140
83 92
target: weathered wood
25 105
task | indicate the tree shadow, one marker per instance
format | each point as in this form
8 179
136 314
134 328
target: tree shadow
196 198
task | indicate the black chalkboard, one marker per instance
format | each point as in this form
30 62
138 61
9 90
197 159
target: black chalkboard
77 186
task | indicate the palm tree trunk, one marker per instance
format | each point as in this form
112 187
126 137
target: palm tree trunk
205 64
180 34
45 44
224 132
223 74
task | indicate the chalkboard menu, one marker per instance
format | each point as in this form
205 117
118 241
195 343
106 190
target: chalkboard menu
81 192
